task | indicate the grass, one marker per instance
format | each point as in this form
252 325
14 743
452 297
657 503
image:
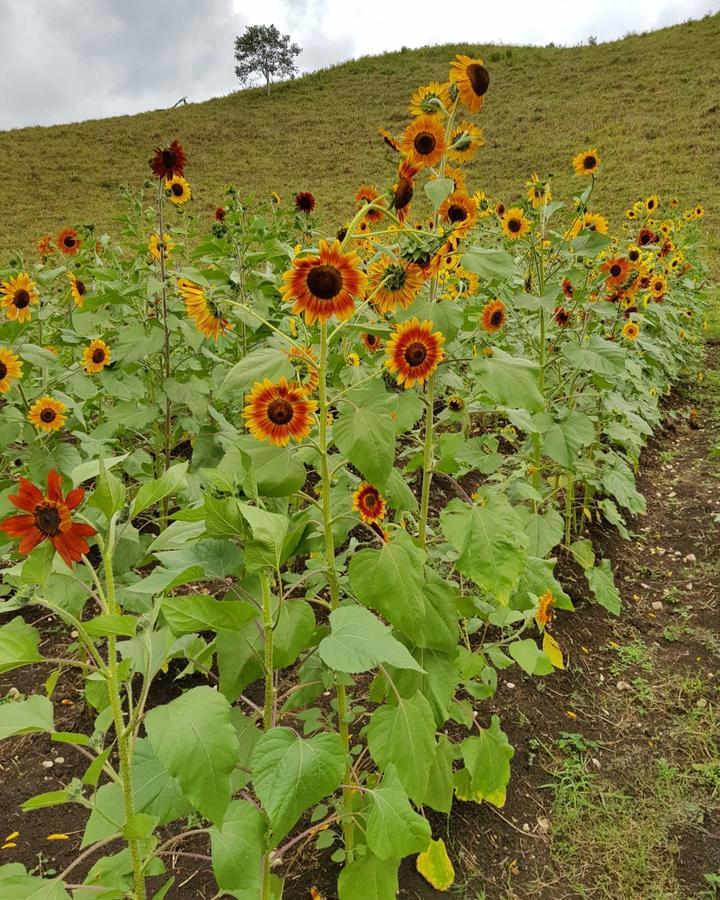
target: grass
648 102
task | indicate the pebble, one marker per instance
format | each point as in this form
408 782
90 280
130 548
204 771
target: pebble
596 762
623 686
526 827
689 585
657 604
73 633
59 760
702 703
47 764
509 684
543 824
690 558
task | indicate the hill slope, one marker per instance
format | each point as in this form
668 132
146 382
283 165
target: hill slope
649 103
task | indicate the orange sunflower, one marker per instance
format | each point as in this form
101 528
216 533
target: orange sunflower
78 289
424 141
325 285
278 412
47 414
544 612
367 194
393 282
368 501
45 246
404 189
493 316
460 211
68 242
465 141
17 295
95 357
472 80
10 369
371 341
457 176
587 162
617 270
514 223
205 313
389 140
47 517
306 369
414 351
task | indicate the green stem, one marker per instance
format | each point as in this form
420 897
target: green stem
427 462
269 706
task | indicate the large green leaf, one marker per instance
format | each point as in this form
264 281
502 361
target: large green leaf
358 641
365 433
194 739
440 786
404 734
188 613
268 362
153 492
369 878
393 828
563 439
489 540
291 773
23 716
237 847
597 355
18 644
602 584
438 190
269 530
487 761
510 381
16 884
490 264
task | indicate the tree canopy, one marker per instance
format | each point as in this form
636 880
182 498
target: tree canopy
262 49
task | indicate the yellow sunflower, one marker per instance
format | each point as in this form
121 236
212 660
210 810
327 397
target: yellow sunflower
278 412
17 295
483 203
630 330
424 141
78 289
161 246
514 223
430 99
471 79
95 357
10 369
590 221
47 414
178 190
414 351
465 141
658 286
325 285
204 312
652 203
538 191
393 283
587 162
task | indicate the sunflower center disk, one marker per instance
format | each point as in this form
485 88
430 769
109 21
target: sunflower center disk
69 241
47 519
169 159
424 143
47 415
479 78
371 500
177 190
457 213
80 287
496 318
98 356
3 370
21 298
280 411
325 282
514 225
615 271
416 354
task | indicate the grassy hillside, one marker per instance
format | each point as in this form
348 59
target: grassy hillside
650 104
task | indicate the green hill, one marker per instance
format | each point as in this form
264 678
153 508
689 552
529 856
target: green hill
650 103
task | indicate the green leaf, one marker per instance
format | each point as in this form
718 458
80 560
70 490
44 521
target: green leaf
25 716
16 884
109 493
510 381
194 739
18 644
290 774
275 471
490 264
544 531
269 531
237 847
358 641
365 433
190 613
438 190
439 791
111 623
46 800
602 584
369 878
393 828
597 355
153 492
267 362
564 439
490 542
487 760
583 553
404 734
528 656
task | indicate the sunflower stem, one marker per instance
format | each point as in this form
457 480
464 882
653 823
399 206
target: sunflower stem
167 427
427 462
269 704
342 705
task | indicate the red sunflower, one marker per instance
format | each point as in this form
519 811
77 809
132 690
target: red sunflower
305 202
414 352
404 189
48 516
278 412
68 241
325 285
369 503
617 270
169 161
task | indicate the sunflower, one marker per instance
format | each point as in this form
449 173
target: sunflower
424 141
465 141
472 80
95 357
161 246
367 194
459 211
658 286
567 288
278 412
220 214
673 201
633 254
430 99
587 162
500 209
178 190
645 237
544 613
617 270
47 414
538 191
514 223
698 212
10 369
404 189
68 241
305 363
484 206
371 341
630 214
369 503
325 285
455 403
630 330
652 203
393 283
78 289
45 245
304 202
204 312
590 221
169 161
493 316
457 176
48 517
17 295
414 351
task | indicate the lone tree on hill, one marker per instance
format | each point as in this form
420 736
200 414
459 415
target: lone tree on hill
263 49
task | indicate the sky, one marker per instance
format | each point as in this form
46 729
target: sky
69 60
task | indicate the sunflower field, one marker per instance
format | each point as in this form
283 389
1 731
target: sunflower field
325 478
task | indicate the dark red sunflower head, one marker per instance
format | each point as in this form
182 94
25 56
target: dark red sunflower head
220 214
47 516
169 161
305 202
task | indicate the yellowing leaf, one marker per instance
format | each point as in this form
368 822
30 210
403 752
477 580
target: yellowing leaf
435 867
552 651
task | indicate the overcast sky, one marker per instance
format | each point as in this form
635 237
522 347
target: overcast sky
67 60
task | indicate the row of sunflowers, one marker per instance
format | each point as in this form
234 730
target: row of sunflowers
335 478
